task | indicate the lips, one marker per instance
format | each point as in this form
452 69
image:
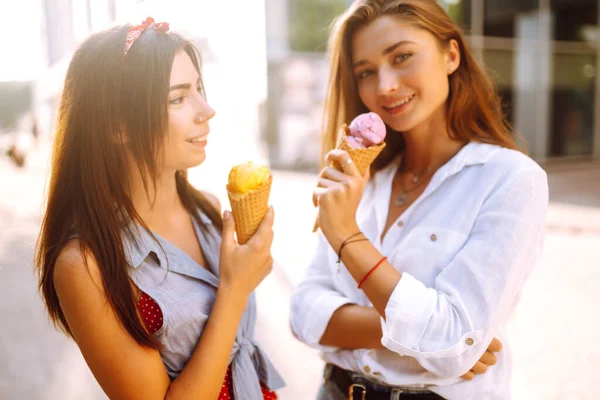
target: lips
398 106
198 139
399 103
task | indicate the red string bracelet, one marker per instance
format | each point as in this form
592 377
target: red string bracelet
371 271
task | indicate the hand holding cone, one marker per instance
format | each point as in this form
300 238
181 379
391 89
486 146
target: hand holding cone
363 141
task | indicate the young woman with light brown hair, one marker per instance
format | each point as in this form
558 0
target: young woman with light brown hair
420 264
136 265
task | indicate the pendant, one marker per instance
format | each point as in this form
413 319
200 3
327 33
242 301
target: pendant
402 199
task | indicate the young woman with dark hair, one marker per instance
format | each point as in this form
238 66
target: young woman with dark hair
136 265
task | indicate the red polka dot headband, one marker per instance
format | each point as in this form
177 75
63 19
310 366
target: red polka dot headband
136 31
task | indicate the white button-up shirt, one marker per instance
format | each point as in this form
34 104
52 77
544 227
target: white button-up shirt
465 248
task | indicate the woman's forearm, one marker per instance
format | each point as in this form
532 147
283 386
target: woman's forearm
203 375
360 258
353 327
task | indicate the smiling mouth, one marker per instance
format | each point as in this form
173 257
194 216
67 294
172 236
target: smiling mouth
198 139
399 105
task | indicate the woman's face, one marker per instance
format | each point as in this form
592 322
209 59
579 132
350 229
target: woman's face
187 136
401 71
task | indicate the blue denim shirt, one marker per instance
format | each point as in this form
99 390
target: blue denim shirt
185 293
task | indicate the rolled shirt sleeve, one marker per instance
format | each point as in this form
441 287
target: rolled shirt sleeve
448 327
315 300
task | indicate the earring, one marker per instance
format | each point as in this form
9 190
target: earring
198 118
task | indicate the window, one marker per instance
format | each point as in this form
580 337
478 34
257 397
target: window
501 16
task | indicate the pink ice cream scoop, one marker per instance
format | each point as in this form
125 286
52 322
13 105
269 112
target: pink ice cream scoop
366 130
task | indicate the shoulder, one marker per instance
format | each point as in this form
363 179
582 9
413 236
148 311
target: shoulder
516 175
213 200
74 271
504 165
513 160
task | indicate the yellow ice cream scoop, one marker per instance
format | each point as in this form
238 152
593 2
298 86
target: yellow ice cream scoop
248 176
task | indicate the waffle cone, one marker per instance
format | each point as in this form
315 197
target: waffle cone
362 157
249 209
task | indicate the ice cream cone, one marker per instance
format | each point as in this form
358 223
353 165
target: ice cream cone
362 157
249 209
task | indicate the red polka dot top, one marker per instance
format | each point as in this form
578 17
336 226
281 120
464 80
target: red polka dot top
153 318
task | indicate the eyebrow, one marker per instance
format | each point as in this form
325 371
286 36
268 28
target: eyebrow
385 52
182 86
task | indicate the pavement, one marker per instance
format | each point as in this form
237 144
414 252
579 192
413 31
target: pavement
553 334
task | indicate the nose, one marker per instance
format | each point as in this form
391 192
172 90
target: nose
388 81
204 110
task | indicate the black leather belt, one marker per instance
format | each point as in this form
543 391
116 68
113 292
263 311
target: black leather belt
359 388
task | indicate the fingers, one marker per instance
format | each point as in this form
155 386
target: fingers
333 174
325 183
317 193
495 346
227 239
479 368
488 358
367 175
264 234
343 159
322 183
468 376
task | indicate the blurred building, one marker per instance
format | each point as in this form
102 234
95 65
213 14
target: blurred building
542 54
65 23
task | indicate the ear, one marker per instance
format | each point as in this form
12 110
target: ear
119 137
123 138
453 56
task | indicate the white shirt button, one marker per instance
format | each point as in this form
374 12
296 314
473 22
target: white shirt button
367 369
433 237
400 224
470 342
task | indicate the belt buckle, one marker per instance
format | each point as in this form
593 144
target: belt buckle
359 386
327 373
396 394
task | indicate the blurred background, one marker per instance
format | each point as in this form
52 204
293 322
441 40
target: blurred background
265 69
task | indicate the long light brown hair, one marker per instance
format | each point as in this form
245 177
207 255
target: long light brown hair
104 95
473 105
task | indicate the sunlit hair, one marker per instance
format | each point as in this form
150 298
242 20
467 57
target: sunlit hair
473 105
104 97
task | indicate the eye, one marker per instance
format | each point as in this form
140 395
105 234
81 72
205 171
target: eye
402 57
364 74
178 100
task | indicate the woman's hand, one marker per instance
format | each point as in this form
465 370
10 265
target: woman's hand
338 195
243 267
487 360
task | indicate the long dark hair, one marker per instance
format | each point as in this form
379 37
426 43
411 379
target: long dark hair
474 107
105 94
